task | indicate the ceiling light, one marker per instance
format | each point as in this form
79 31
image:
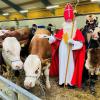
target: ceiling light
95 0
23 11
52 6
5 14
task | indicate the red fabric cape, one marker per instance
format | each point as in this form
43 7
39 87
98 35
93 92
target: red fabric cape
54 68
79 57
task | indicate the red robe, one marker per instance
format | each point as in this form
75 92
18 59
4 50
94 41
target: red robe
79 57
54 68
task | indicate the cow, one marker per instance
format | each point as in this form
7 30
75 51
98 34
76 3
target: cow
11 53
20 34
32 73
38 60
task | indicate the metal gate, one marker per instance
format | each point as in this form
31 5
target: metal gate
11 91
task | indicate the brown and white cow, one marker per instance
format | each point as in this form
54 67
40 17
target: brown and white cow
40 51
20 34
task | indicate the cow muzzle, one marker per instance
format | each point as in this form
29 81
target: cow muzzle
29 83
29 86
17 65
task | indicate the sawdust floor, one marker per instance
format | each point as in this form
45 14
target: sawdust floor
60 93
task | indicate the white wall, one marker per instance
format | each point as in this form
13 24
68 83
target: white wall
55 21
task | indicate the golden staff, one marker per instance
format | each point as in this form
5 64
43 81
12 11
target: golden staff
69 53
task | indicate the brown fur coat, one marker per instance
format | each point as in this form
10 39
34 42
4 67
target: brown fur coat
93 61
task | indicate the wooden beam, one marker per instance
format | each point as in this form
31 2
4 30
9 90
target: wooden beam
22 4
46 2
13 5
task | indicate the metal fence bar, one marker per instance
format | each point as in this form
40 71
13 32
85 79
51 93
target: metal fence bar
4 96
18 89
15 96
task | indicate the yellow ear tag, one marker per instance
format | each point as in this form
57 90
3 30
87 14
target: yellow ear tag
65 37
22 45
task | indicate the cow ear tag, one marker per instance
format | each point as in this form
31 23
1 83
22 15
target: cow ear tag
22 45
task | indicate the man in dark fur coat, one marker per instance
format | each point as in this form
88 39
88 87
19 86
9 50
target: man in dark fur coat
91 24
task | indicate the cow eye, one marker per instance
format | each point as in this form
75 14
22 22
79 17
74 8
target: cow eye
7 51
36 72
99 33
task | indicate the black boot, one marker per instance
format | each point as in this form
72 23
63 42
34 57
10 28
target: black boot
70 87
92 90
84 85
61 85
85 78
92 85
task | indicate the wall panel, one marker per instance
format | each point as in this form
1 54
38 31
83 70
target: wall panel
45 21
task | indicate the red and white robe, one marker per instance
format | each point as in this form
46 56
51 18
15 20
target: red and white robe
76 59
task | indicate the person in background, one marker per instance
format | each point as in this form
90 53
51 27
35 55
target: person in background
32 31
71 51
49 28
12 28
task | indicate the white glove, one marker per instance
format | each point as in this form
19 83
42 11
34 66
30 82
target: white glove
75 44
71 41
51 39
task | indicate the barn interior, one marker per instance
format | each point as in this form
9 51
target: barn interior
29 12
18 14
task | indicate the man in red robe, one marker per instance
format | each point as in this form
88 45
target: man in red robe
72 65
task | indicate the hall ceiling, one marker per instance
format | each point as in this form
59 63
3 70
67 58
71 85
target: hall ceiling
17 5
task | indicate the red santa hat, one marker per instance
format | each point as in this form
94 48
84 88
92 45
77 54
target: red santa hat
68 12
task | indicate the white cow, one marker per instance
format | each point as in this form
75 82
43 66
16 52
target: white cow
33 69
11 53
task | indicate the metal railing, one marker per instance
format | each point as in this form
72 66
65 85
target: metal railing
15 90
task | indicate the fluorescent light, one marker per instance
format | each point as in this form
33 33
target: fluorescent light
5 14
95 0
52 6
23 11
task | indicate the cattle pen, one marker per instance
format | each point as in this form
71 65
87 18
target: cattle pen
11 91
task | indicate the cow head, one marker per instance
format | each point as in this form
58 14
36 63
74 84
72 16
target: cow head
11 53
32 67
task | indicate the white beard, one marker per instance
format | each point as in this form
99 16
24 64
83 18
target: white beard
67 28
